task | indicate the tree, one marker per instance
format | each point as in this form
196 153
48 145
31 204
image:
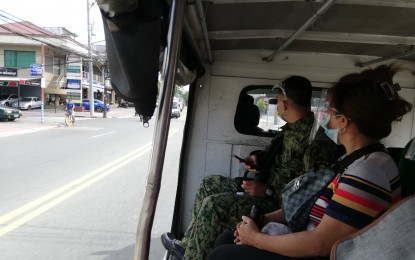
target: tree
262 105
181 93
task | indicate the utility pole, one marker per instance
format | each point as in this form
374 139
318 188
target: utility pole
91 68
105 74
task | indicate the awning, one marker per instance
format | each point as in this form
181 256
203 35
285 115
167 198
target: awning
87 86
12 81
95 88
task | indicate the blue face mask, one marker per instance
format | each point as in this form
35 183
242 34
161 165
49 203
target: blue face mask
331 133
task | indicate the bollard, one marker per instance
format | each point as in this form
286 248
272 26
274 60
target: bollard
42 113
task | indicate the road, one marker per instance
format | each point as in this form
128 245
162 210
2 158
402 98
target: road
76 192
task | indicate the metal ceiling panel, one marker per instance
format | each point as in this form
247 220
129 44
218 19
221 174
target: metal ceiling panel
378 28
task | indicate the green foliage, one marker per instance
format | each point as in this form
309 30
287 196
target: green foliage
262 105
181 93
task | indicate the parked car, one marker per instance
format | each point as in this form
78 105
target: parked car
15 100
7 99
98 105
28 103
9 113
126 104
175 110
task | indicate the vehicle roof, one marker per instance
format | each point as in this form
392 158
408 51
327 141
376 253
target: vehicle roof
7 95
375 28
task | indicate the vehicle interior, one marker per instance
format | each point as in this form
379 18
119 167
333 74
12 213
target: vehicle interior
234 51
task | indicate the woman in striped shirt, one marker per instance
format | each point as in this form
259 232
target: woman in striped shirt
362 107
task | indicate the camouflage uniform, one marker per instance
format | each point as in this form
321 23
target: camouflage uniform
218 208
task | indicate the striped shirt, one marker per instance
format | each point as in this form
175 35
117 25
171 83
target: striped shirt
367 188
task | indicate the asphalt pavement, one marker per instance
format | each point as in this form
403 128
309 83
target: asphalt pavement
34 120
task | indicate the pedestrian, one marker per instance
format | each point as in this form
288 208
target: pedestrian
70 108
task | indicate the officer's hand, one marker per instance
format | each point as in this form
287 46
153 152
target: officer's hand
253 161
254 188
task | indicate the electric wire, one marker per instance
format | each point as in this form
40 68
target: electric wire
43 33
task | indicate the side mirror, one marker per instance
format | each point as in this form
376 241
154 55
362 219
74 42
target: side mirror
273 101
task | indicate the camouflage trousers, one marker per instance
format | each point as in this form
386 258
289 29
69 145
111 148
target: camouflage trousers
217 208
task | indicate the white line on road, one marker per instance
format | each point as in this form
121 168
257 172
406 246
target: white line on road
127 116
95 136
59 195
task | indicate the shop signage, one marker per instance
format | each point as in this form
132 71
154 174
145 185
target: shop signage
6 83
14 83
36 69
73 84
9 72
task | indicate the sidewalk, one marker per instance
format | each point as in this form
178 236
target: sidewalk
32 121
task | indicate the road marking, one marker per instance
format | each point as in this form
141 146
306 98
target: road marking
127 116
25 131
61 194
68 186
95 136
78 128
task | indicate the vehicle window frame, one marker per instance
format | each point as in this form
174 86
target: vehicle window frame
266 90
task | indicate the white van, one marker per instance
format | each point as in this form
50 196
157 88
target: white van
175 110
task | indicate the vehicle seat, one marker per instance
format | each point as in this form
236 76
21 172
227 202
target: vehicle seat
247 116
388 237
395 153
407 169
391 236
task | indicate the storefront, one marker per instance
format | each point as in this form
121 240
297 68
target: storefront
22 87
98 91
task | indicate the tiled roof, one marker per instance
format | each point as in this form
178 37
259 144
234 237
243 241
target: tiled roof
24 27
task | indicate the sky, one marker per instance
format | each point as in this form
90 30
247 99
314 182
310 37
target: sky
71 14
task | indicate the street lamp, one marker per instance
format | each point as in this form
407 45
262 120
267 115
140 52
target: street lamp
90 65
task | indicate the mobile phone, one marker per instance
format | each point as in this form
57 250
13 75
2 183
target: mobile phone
257 215
245 161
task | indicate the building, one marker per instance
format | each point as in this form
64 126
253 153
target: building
49 63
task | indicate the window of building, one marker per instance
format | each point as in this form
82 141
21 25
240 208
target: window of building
48 64
19 59
52 65
56 66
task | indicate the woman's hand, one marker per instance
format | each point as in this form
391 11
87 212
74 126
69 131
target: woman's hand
236 234
245 230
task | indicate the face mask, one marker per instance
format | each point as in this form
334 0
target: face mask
331 133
